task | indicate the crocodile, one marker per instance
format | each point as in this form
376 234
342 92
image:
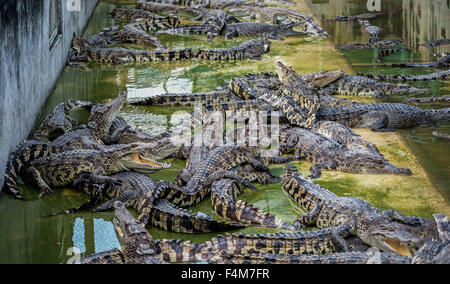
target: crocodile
177 251
250 29
85 52
326 153
224 202
271 15
442 62
132 33
132 188
218 19
334 258
377 44
90 137
366 16
59 122
441 135
185 99
384 117
208 29
62 169
438 42
345 136
153 20
136 244
443 75
252 49
216 165
166 8
354 215
443 99
436 251
296 87
294 112
351 85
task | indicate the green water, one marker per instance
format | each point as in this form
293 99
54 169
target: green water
28 238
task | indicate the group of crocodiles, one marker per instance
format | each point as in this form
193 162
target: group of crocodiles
160 17
109 160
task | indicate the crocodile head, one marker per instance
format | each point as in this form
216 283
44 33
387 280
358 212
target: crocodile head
368 164
102 116
136 157
387 237
436 117
135 242
324 78
288 29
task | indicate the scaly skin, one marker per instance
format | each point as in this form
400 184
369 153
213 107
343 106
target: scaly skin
62 169
216 165
350 85
345 136
377 44
294 112
188 99
91 137
121 55
326 210
153 20
338 258
140 192
59 123
250 29
314 242
331 155
252 49
436 251
113 256
383 116
444 75
218 19
249 87
271 15
136 244
223 197
134 33
296 87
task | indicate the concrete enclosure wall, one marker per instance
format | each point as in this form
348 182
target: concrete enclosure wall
29 66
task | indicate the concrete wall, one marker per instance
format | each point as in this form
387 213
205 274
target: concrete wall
29 69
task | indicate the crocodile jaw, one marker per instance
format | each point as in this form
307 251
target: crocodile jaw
398 247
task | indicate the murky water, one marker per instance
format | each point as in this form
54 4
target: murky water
28 238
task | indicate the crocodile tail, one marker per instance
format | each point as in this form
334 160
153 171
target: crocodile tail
290 170
177 251
24 152
242 212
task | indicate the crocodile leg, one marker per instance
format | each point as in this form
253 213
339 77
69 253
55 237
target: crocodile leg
394 215
380 124
275 36
230 175
36 178
316 170
183 177
337 237
125 197
310 217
